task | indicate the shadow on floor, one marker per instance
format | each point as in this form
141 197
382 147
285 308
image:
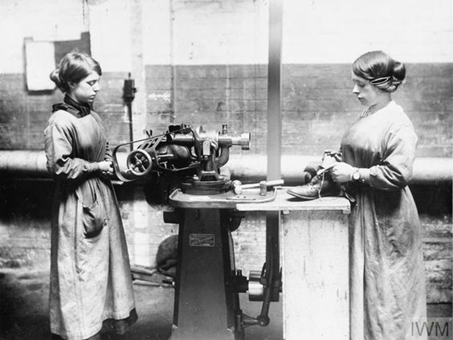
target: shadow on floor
24 310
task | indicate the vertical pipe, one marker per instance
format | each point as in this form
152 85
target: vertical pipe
173 74
274 121
138 109
274 132
131 124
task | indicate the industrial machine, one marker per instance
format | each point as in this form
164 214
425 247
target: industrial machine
183 166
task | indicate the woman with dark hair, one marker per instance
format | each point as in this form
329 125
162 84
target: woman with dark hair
387 275
90 278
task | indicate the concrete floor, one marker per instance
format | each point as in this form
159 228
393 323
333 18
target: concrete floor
24 310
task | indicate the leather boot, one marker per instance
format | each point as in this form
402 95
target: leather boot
320 186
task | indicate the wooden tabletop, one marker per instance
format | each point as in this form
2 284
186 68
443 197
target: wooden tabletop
277 199
285 202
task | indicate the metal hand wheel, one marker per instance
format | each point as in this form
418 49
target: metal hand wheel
139 162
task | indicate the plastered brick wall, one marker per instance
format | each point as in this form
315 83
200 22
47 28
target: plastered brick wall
437 250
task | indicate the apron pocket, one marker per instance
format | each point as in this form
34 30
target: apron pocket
93 220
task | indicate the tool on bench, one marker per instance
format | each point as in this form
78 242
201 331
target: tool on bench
238 187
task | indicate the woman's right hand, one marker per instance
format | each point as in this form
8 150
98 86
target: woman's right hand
106 167
341 172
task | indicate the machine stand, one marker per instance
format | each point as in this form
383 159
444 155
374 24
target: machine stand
206 304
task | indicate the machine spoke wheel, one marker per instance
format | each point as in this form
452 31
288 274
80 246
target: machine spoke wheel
139 162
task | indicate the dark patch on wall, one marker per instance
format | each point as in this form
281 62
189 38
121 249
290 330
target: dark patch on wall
26 210
433 199
82 45
23 198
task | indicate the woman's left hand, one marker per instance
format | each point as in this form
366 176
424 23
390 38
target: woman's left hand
341 172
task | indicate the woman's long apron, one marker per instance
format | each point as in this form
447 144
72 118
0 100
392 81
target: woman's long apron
387 274
90 271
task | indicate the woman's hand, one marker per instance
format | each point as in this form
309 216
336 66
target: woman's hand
106 167
342 172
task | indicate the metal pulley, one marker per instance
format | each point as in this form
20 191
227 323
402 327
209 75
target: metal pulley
255 287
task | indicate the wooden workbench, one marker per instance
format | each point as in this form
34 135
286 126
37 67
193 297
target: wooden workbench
315 265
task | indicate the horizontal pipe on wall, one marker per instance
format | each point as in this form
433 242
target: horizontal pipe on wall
32 163
426 169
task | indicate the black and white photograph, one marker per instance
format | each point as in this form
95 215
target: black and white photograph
226 170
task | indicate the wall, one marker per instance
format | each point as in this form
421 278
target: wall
205 62
190 68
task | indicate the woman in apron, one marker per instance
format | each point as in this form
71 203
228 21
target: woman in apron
90 279
387 275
